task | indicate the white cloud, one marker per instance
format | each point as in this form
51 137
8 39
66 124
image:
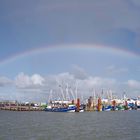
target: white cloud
79 73
41 86
25 81
4 81
116 70
84 85
133 84
99 81
45 84
37 79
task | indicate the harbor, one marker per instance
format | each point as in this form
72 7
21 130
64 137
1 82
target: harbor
89 105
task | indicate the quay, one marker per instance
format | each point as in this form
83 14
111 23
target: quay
15 106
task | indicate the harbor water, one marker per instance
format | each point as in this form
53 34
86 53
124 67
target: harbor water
40 125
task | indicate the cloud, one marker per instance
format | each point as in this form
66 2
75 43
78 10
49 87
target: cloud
134 84
84 85
135 2
24 81
4 81
101 82
39 87
79 73
115 70
42 85
83 21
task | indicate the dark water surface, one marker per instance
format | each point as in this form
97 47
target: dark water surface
119 125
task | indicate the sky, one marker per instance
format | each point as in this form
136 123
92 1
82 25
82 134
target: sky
50 47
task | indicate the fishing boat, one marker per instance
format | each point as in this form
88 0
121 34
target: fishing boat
64 106
107 108
61 108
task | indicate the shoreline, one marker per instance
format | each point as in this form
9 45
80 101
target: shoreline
21 109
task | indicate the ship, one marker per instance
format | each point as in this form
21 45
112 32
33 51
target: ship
60 108
63 106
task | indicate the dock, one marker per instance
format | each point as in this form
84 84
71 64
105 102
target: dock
19 107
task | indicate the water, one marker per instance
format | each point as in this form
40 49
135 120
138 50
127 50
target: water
119 125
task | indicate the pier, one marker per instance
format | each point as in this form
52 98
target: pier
15 106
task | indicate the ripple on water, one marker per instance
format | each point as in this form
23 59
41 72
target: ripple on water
117 125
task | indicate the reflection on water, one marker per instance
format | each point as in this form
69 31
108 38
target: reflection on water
119 125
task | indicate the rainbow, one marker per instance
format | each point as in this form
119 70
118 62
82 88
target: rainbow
37 50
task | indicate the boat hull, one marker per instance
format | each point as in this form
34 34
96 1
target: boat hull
61 109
